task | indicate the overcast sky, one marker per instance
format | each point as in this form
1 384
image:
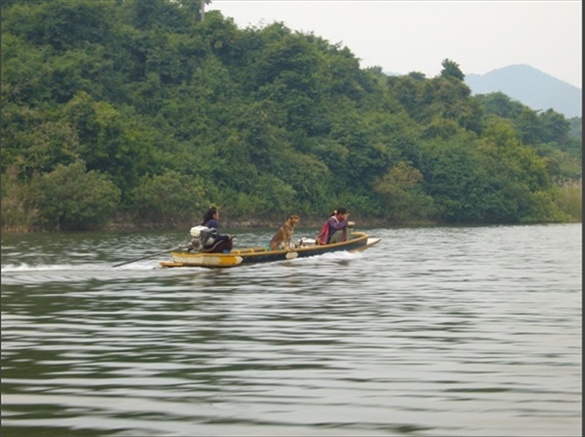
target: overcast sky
403 36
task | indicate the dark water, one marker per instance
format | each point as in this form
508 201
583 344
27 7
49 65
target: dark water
472 331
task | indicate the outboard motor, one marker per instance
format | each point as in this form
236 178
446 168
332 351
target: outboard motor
202 236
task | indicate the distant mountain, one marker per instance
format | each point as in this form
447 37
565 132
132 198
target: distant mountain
531 87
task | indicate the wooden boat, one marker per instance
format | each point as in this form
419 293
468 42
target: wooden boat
304 248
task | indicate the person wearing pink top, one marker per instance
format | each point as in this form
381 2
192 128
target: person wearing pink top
335 229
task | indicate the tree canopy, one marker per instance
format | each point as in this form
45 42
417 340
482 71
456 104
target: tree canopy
150 111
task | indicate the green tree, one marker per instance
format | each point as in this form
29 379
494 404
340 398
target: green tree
265 119
451 69
113 141
162 15
499 104
469 185
402 194
554 126
60 24
71 198
168 199
14 213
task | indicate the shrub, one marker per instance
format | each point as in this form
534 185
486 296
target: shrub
15 216
168 199
71 198
568 199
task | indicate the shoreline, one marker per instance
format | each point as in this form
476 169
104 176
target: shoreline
228 225
225 224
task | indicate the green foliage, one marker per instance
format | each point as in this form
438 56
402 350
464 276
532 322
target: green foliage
70 198
576 130
569 199
60 24
171 110
542 208
271 195
451 70
309 180
453 178
402 194
493 179
34 142
160 14
15 215
500 104
112 141
168 199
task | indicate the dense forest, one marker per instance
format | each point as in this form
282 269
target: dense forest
146 112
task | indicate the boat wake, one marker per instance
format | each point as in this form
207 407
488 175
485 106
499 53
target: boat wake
331 256
34 274
26 268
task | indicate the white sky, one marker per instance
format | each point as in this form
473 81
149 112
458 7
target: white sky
403 36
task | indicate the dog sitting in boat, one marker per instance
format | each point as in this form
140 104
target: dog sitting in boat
284 234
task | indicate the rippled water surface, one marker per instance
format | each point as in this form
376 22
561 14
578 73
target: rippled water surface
467 331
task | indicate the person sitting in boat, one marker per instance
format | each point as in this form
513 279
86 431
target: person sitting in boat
336 228
221 243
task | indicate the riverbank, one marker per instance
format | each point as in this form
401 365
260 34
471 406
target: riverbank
226 224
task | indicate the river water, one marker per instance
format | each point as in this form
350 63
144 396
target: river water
438 331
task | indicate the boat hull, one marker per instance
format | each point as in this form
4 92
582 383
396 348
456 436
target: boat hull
359 242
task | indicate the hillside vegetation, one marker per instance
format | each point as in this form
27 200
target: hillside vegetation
140 112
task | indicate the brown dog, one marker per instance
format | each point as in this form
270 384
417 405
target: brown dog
284 234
